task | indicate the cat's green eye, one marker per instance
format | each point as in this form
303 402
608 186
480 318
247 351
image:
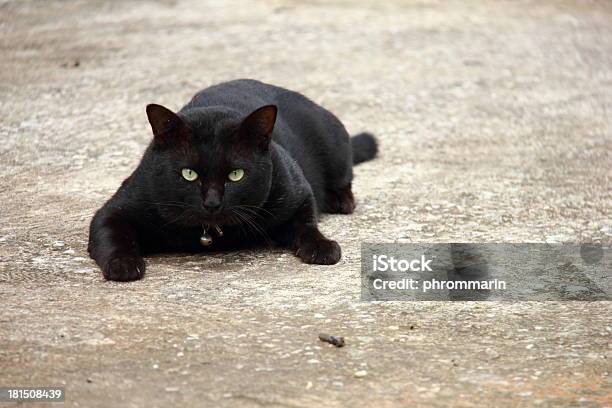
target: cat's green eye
236 175
189 174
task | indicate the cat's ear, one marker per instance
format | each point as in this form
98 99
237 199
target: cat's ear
257 127
167 126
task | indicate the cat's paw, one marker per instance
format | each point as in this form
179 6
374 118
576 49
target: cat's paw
124 269
319 251
340 201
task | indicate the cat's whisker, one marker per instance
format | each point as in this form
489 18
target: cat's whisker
236 220
253 213
189 219
255 209
249 221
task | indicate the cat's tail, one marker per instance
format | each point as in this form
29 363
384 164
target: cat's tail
365 147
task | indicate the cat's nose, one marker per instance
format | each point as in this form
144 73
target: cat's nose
212 201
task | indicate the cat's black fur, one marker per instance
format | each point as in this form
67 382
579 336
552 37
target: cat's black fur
297 159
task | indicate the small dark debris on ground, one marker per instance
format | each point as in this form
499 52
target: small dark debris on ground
335 340
72 64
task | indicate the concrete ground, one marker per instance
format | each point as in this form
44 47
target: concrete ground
494 119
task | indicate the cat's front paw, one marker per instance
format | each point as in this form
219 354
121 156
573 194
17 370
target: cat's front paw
124 269
319 251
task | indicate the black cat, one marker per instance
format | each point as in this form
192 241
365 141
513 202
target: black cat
243 162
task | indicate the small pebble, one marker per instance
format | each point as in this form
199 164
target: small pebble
360 373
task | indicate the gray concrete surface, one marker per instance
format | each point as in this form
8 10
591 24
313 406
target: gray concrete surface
494 122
